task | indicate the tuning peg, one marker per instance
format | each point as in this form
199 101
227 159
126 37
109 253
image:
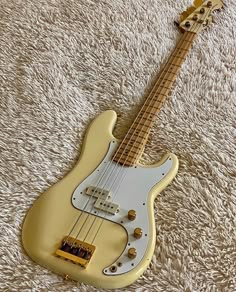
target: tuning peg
197 3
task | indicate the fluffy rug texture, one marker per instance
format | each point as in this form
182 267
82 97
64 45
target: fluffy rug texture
64 62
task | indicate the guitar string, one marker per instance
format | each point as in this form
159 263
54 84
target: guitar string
103 175
151 101
191 38
168 64
124 139
122 178
95 217
122 166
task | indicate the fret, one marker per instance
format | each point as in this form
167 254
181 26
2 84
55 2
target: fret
171 70
126 152
139 131
147 119
187 41
133 141
172 64
182 54
136 135
164 87
179 57
142 125
159 93
180 48
162 93
174 73
125 161
132 145
126 156
148 112
167 79
169 83
152 106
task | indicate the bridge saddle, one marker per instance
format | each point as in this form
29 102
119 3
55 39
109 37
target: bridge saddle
77 251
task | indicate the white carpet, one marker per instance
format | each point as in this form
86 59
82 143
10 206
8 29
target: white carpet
62 63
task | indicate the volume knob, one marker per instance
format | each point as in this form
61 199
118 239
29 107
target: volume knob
138 233
131 215
132 253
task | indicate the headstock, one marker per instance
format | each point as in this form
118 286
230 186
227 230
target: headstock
197 17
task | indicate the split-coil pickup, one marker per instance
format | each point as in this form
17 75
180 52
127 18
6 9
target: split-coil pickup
102 202
97 193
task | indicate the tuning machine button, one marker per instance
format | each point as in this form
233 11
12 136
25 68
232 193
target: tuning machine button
132 253
202 10
209 4
131 215
138 233
187 24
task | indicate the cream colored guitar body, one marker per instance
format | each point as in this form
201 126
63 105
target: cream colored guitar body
54 213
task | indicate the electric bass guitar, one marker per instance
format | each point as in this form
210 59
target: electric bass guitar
97 224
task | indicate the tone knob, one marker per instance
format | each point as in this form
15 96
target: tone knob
131 215
132 253
138 233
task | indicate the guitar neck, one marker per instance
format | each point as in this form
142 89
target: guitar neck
132 146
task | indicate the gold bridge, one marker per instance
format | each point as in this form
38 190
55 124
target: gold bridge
75 250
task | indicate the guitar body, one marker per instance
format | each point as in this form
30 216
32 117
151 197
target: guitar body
55 212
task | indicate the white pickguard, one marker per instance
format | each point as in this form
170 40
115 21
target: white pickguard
129 188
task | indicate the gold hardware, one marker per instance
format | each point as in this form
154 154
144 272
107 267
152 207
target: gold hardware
66 277
187 24
132 253
131 215
202 10
138 232
195 17
76 251
209 4
113 269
